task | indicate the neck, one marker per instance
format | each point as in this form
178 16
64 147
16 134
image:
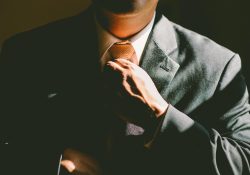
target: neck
124 25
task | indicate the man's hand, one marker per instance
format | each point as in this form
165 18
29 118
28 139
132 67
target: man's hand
135 90
78 163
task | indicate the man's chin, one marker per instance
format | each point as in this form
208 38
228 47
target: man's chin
117 6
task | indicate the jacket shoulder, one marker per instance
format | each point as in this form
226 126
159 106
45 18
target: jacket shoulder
46 33
206 55
49 34
200 44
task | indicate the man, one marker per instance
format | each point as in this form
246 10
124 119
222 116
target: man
176 103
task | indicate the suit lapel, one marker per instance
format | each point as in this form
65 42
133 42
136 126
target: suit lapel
156 60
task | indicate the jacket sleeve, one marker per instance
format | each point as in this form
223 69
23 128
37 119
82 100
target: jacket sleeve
220 147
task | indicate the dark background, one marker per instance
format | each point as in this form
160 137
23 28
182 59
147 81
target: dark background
225 21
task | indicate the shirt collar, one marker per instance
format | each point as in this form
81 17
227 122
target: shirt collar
106 39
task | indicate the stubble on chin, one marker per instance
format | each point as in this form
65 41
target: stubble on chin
118 6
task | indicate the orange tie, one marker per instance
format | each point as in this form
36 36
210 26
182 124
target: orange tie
123 49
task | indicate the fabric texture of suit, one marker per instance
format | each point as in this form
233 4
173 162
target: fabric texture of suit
51 98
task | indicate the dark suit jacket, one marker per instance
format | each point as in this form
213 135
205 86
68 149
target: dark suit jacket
51 97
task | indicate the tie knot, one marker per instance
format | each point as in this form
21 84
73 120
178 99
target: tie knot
124 50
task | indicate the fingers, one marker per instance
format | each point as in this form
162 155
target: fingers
125 63
114 66
69 165
126 69
79 163
123 67
121 64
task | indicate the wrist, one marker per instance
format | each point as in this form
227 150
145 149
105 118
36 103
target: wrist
160 108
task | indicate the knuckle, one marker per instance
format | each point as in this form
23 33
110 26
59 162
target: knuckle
124 74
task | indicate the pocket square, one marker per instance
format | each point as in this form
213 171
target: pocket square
52 95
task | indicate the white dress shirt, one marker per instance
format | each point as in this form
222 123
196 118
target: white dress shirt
106 40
